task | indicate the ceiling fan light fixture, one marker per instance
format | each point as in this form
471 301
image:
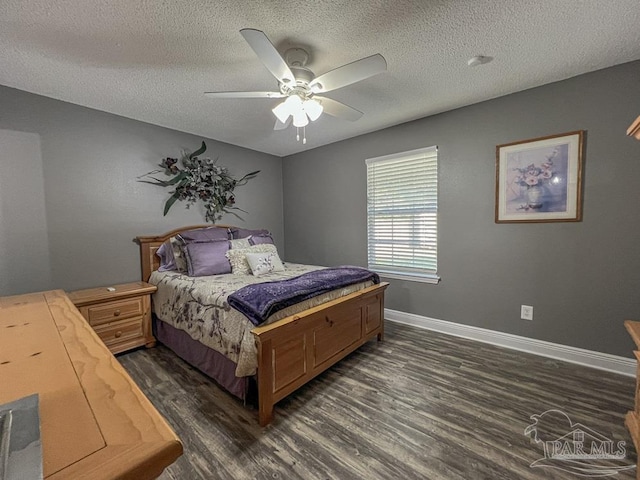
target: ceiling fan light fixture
281 112
313 109
291 105
300 119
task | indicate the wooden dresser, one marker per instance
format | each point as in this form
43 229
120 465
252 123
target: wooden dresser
632 420
95 422
120 315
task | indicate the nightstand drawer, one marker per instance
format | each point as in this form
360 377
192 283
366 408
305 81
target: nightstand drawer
116 310
120 331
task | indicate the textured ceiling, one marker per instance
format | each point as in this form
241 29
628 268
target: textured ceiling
151 60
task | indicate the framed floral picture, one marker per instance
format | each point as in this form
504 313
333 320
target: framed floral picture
540 180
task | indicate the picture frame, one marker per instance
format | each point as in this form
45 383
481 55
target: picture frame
540 180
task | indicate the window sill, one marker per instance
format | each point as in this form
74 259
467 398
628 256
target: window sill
433 279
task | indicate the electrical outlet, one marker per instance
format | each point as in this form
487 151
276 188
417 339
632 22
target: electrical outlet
526 312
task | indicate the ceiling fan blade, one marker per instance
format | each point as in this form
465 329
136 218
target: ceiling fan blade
268 55
349 73
244 94
281 126
339 109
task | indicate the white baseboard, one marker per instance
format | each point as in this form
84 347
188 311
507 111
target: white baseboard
589 358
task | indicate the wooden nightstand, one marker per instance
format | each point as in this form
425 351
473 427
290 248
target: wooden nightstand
122 317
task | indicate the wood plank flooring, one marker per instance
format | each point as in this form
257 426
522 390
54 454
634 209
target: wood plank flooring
418 405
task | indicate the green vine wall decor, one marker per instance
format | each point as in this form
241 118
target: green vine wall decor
199 178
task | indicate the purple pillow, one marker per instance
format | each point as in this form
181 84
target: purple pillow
167 260
244 232
204 235
207 258
261 239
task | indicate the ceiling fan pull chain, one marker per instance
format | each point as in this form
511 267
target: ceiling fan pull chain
297 134
304 135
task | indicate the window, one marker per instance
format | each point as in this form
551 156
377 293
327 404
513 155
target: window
402 215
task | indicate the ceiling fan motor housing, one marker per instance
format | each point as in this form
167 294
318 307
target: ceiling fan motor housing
303 77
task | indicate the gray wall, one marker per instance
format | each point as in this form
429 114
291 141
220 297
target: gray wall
583 279
24 245
93 204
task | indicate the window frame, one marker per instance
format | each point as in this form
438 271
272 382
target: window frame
416 274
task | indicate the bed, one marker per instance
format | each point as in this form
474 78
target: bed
280 355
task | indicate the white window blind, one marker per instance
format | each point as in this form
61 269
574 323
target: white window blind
402 214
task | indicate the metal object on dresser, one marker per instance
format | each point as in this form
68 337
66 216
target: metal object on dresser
20 445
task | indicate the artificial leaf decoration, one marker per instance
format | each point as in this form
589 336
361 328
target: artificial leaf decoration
170 202
200 151
199 178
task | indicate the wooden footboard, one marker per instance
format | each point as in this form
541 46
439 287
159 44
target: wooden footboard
295 349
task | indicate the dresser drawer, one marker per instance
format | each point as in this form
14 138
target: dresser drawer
116 310
121 331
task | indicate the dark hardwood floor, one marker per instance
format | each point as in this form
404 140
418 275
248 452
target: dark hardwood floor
418 405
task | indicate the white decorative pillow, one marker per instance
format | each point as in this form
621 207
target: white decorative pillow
240 243
263 263
238 257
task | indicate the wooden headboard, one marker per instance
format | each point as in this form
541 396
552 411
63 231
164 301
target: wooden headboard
149 245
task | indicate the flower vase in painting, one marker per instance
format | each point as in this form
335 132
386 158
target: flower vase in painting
535 195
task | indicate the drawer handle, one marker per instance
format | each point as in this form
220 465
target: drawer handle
116 313
118 334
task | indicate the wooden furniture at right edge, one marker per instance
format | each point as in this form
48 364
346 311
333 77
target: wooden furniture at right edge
295 349
634 129
632 420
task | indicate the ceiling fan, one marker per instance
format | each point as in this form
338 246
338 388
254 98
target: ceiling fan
299 85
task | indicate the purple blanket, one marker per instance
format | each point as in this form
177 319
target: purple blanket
258 301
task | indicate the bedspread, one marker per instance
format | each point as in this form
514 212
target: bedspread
199 306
